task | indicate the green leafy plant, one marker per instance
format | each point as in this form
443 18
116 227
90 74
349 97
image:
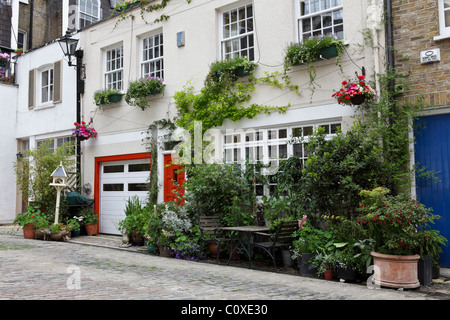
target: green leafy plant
138 91
89 215
103 97
324 261
34 171
75 222
238 66
398 224
309 51
32 215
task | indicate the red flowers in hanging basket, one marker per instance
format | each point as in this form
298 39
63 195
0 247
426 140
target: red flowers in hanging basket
354 93
83 131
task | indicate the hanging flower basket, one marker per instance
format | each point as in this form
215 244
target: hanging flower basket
354 93
4 59
83 131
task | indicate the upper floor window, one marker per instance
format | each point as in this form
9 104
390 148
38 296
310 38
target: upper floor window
320 17
237 33
114 68
46 85
153 56
89 12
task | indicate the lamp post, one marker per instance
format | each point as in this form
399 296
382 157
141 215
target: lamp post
59 182
69 48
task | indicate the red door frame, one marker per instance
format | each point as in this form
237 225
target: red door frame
98 162
169 168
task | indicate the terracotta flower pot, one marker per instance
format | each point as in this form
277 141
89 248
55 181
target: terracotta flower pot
28 231
91 229
213 248
328 275
395 271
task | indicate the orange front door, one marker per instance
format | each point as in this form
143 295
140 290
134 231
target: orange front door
173 180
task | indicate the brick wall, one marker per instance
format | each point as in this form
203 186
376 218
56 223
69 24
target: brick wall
416 22
5 25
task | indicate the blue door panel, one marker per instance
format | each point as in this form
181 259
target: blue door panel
432 150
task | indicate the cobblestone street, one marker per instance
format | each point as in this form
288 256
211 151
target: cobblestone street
47 270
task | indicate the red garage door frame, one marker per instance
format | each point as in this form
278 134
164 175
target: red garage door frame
99 161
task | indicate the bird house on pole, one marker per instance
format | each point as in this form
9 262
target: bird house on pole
59 182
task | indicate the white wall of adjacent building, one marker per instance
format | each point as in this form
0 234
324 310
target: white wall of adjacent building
8 145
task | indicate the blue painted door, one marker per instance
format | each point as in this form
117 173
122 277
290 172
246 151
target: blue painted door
432 150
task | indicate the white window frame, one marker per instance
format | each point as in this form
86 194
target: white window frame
88 13
113 73
444 31
234 37
267 141
152 56
41 85
333 6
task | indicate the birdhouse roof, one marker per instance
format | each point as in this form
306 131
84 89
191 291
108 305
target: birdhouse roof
60 172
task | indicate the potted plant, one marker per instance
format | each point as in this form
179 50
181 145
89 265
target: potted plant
4 59
309 239
120 7
236 67
59 232
90 219
354 92
83 131
400 227
138 91
27 221
19 50
135 220
75 225
106 97
325 263
312 49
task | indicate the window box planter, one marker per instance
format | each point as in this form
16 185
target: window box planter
108 96
127 5
138 91
325 53
238 67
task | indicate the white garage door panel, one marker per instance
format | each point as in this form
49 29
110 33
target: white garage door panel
119 181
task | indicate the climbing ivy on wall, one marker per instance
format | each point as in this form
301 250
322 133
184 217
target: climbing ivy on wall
224 96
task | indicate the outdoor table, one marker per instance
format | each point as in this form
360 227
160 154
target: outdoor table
243 236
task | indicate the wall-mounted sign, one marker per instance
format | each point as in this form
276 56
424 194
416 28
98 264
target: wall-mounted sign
180 39
430 56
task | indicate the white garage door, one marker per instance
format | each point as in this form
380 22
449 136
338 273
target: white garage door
119 181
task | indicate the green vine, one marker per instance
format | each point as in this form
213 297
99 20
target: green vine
224 97
145 6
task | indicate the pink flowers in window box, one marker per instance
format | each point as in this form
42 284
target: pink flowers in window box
83 131
354 93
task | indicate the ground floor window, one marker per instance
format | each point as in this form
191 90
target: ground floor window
271 146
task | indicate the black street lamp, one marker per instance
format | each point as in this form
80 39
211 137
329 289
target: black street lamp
68 46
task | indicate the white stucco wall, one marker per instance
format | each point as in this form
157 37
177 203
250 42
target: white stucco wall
8 146
275 27
54 119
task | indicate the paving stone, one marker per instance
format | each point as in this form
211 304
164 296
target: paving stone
40 270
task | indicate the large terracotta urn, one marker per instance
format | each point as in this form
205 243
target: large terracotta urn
395 271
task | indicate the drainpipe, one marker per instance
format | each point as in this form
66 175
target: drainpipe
80 91
30 33
390 47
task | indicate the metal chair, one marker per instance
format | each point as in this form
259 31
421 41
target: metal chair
282 238
210 232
